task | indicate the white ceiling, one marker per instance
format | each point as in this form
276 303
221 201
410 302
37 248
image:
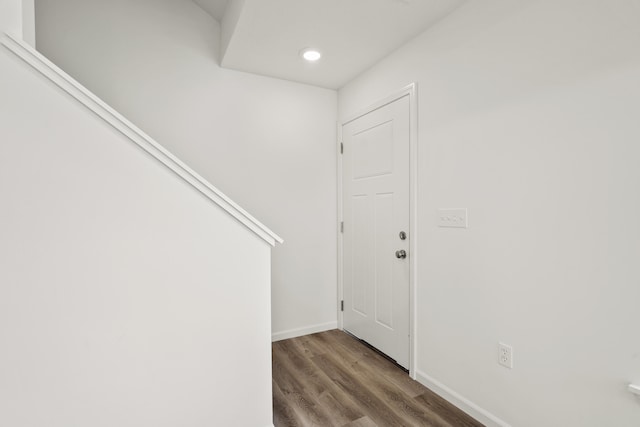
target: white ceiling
266 36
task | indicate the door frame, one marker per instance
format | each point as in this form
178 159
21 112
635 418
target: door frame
411 91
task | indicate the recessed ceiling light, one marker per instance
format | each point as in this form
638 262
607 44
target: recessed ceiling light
311 55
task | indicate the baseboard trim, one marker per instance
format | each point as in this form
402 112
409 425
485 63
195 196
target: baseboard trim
464 404
298 332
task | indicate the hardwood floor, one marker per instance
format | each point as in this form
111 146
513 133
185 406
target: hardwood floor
332 379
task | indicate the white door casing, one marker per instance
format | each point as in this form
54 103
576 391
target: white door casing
376 208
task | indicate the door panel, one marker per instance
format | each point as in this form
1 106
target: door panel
373 151
361 270
383 262
375 210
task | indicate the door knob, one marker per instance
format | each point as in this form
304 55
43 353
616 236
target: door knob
401 254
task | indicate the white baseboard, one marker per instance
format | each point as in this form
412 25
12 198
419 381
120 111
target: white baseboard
464 404
298 332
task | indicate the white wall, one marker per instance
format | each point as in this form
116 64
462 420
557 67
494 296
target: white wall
29 22
528 116
123 290
17 17
267 143
11 16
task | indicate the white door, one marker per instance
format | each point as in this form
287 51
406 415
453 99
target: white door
375 213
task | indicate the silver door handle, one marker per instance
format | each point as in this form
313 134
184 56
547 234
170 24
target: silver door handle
401 254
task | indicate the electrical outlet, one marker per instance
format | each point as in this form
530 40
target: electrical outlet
505 355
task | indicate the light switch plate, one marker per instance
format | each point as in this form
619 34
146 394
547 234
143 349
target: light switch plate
452 217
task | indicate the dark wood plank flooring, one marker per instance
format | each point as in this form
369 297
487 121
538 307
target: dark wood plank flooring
332 379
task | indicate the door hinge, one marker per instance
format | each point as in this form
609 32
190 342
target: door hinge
342 226
341 148
342 305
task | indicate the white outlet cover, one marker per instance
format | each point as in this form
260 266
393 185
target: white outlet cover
505 355
452 218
